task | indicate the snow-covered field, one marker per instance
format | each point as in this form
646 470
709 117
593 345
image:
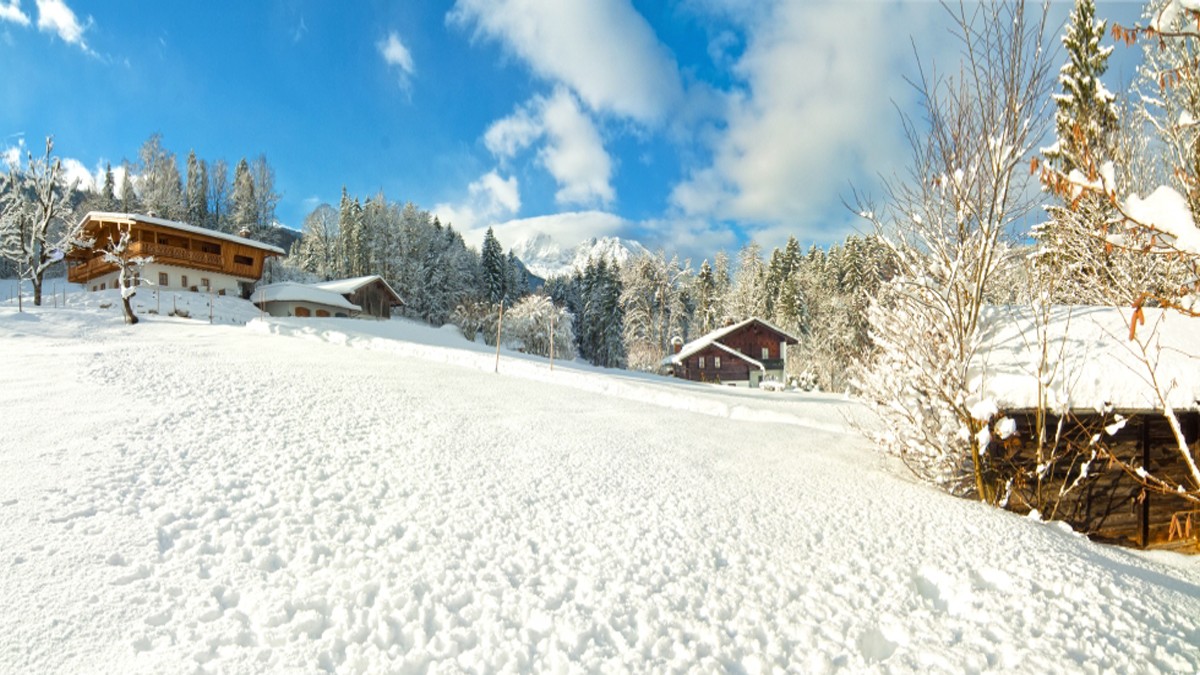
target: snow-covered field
357 496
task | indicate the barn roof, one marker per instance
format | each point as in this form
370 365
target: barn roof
288 291
348 286
715 337
178 225
1092 362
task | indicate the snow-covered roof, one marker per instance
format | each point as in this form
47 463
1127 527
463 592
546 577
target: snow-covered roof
177 225
347 286
288 291
715 336
1093 362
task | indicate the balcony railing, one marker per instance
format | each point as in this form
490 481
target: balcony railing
84 271
161 251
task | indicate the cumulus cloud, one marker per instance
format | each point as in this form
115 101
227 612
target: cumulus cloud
74 171
396 55
604 51
489 200
10 10
572 150
54 16
812 109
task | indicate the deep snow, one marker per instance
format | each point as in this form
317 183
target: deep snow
352 496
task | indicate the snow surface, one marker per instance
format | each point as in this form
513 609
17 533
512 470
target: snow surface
1092 363
327 496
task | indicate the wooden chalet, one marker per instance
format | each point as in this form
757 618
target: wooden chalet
744 354
1099 411
184 257
371 293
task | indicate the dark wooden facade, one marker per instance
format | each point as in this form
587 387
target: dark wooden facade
1108 504
740 352
376 299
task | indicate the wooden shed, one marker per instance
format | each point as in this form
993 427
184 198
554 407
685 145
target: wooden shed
371 293
1101 420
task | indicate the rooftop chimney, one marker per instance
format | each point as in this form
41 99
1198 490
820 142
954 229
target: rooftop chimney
677 344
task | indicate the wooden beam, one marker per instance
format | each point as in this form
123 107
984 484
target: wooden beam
1145 493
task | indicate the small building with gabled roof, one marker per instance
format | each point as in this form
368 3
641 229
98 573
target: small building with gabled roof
371 293
302 300
744 353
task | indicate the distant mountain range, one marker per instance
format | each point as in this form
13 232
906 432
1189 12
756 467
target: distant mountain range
543 257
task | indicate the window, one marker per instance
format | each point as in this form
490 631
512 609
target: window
183 280
766 353
243 260
204 284
162 279
206 247
717 362
102 286
701 361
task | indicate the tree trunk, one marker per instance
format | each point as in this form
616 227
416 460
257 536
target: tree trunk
130 317
37 290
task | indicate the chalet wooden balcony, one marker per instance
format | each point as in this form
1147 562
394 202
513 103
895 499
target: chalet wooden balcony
166 254
78 274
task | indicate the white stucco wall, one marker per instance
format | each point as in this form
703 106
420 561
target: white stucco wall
284 308
150 279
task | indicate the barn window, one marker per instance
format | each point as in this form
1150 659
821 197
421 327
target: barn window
162 279
717 362
183 280
701 361
766 353
243 260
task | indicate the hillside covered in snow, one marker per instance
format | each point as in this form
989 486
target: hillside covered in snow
358 496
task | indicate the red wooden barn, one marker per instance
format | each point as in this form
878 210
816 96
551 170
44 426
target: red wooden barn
743 353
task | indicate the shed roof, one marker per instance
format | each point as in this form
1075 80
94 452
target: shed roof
347 286
178 225
1092 362
288 291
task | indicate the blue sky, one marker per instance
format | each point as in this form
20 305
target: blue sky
689 124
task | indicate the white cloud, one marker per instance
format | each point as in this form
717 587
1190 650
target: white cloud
574 153
813 110
572 150
395 54
11 11
54 16
508 136
603 50
490 199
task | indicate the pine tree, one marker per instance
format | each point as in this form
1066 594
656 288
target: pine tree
162 188
108 192
244 206
218 197
129 199
1086 120
493 266
197 191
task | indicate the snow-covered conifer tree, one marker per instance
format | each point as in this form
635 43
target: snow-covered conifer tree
196 195
244 207
493 264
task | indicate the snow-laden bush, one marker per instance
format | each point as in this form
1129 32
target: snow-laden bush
528 325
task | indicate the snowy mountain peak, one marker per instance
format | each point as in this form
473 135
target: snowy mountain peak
545 258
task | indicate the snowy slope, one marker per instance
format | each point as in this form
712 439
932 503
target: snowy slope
545 258
356 496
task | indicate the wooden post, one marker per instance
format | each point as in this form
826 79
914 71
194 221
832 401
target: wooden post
210 305
552 337
499 332
1145 441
